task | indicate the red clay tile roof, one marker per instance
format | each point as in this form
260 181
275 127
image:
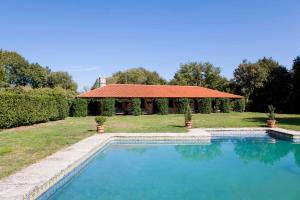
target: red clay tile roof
155 91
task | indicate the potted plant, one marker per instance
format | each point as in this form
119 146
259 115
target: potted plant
188 117
271 122
100 120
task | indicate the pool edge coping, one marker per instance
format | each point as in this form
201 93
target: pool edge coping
31 182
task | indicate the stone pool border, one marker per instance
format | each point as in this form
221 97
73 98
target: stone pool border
32 181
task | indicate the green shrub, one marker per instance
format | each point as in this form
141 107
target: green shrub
108 106
188 113
78 108
162 106
216 105
271 110
182 104
25 109
225 105
136 107
239 105
100 120
204 105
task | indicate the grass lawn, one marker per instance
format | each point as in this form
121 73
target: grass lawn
174 123
22 146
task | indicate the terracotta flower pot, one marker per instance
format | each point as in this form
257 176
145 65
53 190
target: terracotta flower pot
100 129
189 124
271 123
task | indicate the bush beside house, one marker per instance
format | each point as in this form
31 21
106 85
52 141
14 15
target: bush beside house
182 104
136 107
204 105
162 106
78 108
239 105
108 107
225 105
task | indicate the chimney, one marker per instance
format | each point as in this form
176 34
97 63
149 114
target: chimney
102 82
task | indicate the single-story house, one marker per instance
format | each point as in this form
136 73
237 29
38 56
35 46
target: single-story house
123 93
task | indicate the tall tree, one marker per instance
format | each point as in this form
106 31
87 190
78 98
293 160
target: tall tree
16 67
251 76
277 91
200 74
296 84
61 79
37 75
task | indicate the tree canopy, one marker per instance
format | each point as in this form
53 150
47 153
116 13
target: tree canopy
200 74
251 76
134 76
61 79
15 70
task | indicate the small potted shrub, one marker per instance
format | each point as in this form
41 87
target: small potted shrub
271 122
100 120
188 117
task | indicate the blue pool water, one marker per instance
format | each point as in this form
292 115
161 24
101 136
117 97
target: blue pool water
232 168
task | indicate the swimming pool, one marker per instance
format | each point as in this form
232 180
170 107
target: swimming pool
223 168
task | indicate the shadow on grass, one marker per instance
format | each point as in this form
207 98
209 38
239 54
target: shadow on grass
291 121
177 126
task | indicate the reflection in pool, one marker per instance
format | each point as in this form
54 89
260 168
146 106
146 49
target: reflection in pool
232 168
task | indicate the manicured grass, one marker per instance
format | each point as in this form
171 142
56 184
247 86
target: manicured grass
22 146
174 123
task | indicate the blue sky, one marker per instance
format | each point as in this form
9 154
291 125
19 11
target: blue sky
96 38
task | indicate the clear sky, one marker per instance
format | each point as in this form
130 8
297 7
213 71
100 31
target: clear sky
96 38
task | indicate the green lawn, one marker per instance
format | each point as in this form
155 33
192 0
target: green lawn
174 123
22 146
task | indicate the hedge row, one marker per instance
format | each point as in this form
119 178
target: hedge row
26 109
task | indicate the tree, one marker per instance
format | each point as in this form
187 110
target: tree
15 70
37 75
134 76
251 76
15 66
61 79
2 76
296 84
277 91
200 74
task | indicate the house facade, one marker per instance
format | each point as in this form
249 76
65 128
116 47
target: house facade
124 93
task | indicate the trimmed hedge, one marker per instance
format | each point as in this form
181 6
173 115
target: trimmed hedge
24 109
108 107
162 106
136 107
204 105
216 105
78 108
225 105
182 104
239 105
